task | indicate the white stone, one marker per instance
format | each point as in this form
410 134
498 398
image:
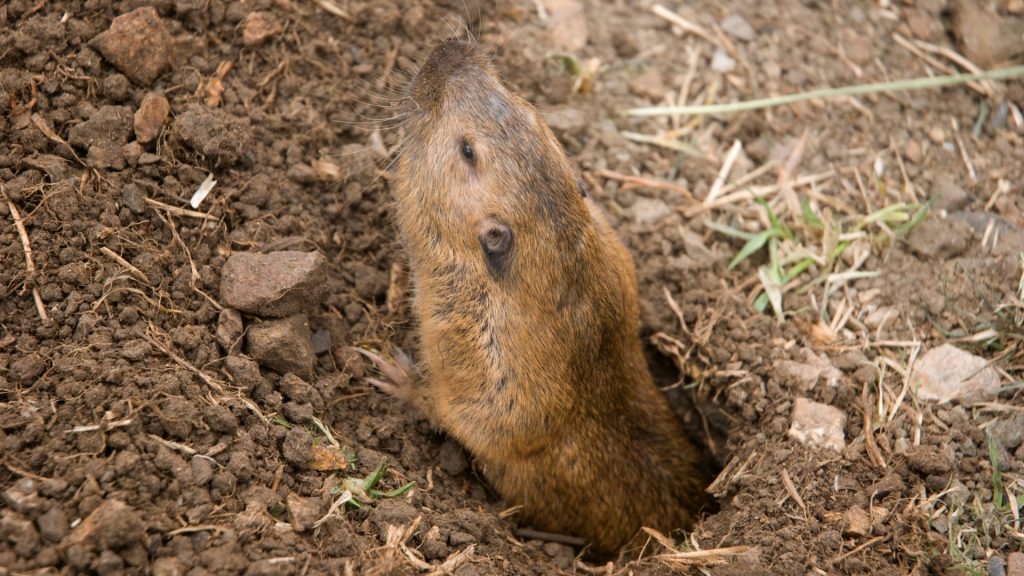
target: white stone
948 373
738 27
805 374
722 62
818 425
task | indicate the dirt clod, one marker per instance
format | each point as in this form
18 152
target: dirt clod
274 285
282 345
818 425
947 372
137 44
150 117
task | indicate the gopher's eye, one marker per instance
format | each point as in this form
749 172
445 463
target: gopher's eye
467 151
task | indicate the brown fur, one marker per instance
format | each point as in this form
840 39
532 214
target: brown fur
537 370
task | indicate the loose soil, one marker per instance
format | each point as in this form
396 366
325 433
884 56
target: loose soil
129 444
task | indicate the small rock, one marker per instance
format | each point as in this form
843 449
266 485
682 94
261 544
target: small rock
890 483
996 566
937 135
23 497
137 44
135 350
302 512
648 211
259 26
722 62
116 87
112 525
940 239
912 150
273 285
856 522
110 126
391 512
648 84
245 372
928 460
297 389
738 27
804 376
566 25
151 116
948 373
1009 432
818 425
327 171
229 330
53 524
202 470
168 566
947 194
103 155
27 369
283 345
985 37
1015 564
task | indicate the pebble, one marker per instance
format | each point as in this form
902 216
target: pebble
53 524
805 375
648 84
722 62
948 373
738 27
1015 564
23 498
302 512
818 425
259 26
913 152
137 44
229 330
276 284
856 522
985 37
937 135
113 524
151 117
283 345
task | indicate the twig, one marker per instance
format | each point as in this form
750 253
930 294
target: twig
869 434
27 249
181 211
723 174
791 488
685 24
127 265
984 90
640 181
855 90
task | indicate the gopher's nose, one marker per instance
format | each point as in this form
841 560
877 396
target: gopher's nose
445 60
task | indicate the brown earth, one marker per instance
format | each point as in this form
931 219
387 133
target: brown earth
136 436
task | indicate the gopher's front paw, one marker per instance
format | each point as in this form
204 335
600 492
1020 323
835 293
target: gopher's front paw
399 375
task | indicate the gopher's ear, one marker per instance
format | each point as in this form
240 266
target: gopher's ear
581 185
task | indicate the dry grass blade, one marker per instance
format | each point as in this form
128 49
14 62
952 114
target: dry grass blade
825 93
26 247
700 557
